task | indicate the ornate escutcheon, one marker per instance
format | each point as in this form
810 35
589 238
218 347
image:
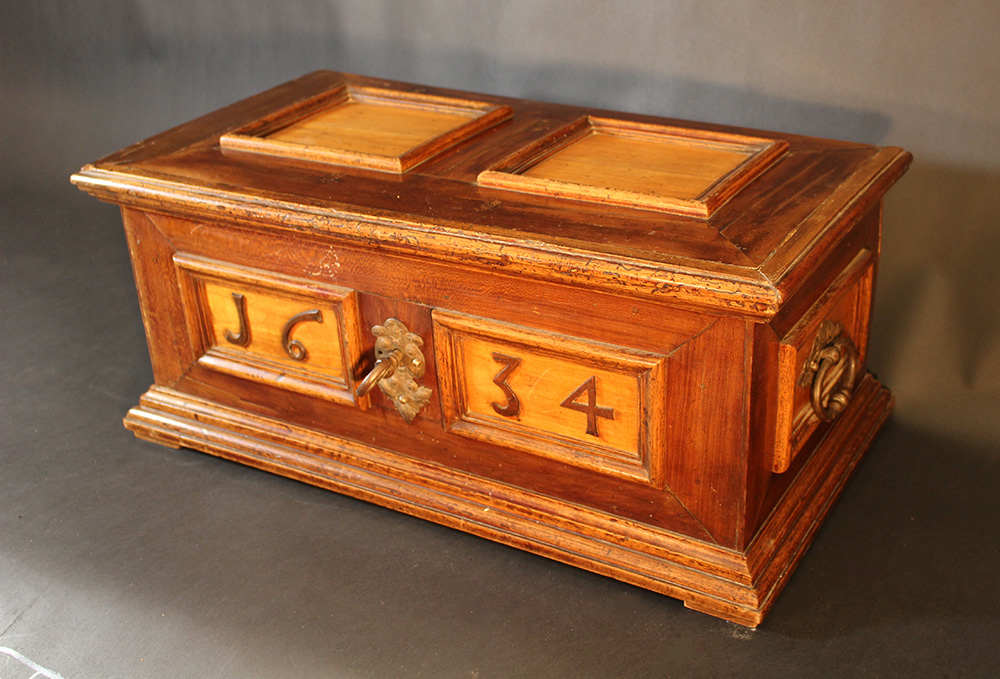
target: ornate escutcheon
399 363
833 355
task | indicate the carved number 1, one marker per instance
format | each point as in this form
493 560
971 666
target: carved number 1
591 408
513 405
241 337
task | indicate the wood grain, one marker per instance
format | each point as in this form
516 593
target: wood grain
848 302
734 585
330 343
626 439
614 310
380 129
618 162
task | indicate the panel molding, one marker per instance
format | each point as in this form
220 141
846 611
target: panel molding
848 301
585 175
288 133
285 367
636 453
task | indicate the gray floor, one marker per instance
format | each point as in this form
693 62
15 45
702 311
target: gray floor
120 558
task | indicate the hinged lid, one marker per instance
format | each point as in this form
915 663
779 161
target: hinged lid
704 215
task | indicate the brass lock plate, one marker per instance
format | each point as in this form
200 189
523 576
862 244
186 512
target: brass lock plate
399 363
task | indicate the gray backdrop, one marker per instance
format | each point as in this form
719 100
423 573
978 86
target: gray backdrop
81 79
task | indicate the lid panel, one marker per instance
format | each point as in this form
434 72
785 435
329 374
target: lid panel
657 167
620 162
374 128
716 217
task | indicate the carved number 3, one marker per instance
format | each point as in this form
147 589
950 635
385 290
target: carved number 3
513 405
591 408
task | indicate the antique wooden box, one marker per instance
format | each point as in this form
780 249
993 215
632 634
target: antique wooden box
630 344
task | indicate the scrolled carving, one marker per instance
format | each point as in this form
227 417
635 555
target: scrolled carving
832 353
294 348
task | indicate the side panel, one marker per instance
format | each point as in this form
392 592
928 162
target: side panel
843 311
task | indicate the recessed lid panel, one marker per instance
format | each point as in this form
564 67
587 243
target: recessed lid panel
625 203
379 129
677 170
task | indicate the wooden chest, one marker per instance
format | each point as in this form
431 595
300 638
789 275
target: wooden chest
630 344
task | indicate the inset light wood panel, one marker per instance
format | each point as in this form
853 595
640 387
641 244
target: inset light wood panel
673 169
367 127
583 403
318 335
284 332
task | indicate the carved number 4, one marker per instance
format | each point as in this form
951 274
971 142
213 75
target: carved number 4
591 408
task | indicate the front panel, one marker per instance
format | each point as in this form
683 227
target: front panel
285 332
580 402
537 385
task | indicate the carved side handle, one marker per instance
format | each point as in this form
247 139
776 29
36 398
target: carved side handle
399 363
832 352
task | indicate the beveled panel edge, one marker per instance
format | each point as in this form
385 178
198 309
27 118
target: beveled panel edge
291 113
251 139
791 262
648 369
343 301
506 174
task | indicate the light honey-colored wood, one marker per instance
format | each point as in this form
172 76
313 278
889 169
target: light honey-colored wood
623 436
657 168
627 163
331 345
542 383
267 315
368 127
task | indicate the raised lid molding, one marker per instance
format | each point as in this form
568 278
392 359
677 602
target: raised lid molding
369 127
754 251
679 170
